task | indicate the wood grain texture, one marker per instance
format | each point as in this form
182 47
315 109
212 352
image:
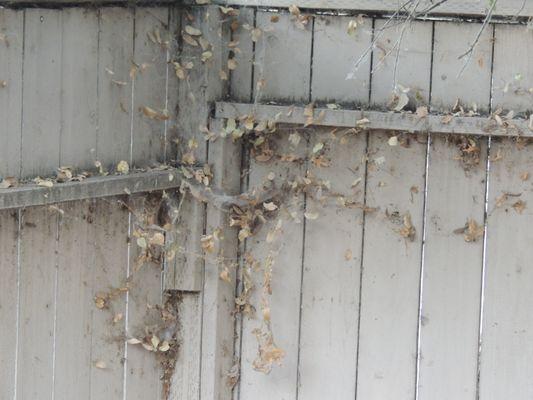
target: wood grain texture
218 312
391 269
335 53
241 76
38 283
402 58
282 67
507 344
9 296
330 288
11 53
148 140
79 84
115 54
512 80
41 128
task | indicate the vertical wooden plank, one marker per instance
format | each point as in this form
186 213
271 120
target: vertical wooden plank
282 66
330 289
41 127
219 295
410 46
11 53
75 304
9 302
173 85
143 373
512 80
391 268
449 330
284 303
115 55
150 84
335 52
241 76
507 345
79 79
472 86
38 279
110 220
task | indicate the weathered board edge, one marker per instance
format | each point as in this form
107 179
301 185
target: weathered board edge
102 186
379 120
511 8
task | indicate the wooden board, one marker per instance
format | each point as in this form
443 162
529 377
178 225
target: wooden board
282 67
11 28
401 58
330 288
79 84
41 130
241 77
512 80
37 304
391 269
507 330
335 52
9 296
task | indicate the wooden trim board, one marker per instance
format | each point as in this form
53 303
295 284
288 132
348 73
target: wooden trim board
378 120
102 186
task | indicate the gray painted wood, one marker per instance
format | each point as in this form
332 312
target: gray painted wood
79 84
241 76
74 301
401 57
37 307
335 52
218 312
507 332
282 66
8 302
391 269
11 26
330 288
41 128
115 54
471 85
150 84
377 120
508 8
512 80
284 303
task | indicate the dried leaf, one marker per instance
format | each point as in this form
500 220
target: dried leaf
123 167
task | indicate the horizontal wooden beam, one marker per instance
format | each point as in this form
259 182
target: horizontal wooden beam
29 195
475 8
379 120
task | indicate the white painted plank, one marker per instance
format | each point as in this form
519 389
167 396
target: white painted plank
391 269
79 71
334 55
510 8
110 221
150 84
9 302
11 29
38 279
332 266
241 76
513 80
115 54
401 57
284 303
507 345
451 79
74 301
282 67
41 128
218 315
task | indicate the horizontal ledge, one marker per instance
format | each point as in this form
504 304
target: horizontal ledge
102 186
407 122
507 8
